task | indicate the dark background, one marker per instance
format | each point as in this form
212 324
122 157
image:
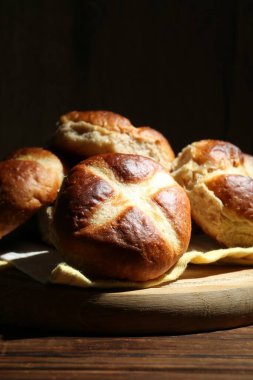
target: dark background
182 67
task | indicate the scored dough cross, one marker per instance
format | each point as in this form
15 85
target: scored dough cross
134 195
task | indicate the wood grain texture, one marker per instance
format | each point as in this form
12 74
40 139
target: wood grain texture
206 298
221 355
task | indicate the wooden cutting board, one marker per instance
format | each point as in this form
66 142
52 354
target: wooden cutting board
205 298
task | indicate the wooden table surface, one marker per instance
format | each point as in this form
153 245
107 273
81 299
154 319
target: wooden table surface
214 355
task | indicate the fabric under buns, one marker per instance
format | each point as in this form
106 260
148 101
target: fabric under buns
220 190
89 133
29 179
121 216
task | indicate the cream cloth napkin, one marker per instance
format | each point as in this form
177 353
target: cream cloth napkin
44 263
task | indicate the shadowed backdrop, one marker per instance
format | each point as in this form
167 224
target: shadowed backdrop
182 67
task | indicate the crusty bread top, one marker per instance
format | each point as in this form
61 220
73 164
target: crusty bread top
200 159
84 134
213 153
122 216
235 192
106 119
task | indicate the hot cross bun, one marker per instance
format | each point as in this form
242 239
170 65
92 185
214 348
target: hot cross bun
121 216
88 133
29 179
220 190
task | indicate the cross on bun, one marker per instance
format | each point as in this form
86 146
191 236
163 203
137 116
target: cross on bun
88 133
220 190
121 216
29 179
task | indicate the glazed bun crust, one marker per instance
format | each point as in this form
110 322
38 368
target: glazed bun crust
216 153
89 133
29 179
235 192
220 190
205 156
106 119
121 216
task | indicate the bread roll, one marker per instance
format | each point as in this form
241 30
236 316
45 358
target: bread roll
219 188
29 179
95 132
121 216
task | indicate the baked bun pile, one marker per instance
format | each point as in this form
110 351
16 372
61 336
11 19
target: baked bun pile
220 190
121 216
88 133
119 213
29 179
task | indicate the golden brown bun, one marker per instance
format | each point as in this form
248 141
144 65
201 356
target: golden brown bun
95 132
29 179
121 216
219 188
